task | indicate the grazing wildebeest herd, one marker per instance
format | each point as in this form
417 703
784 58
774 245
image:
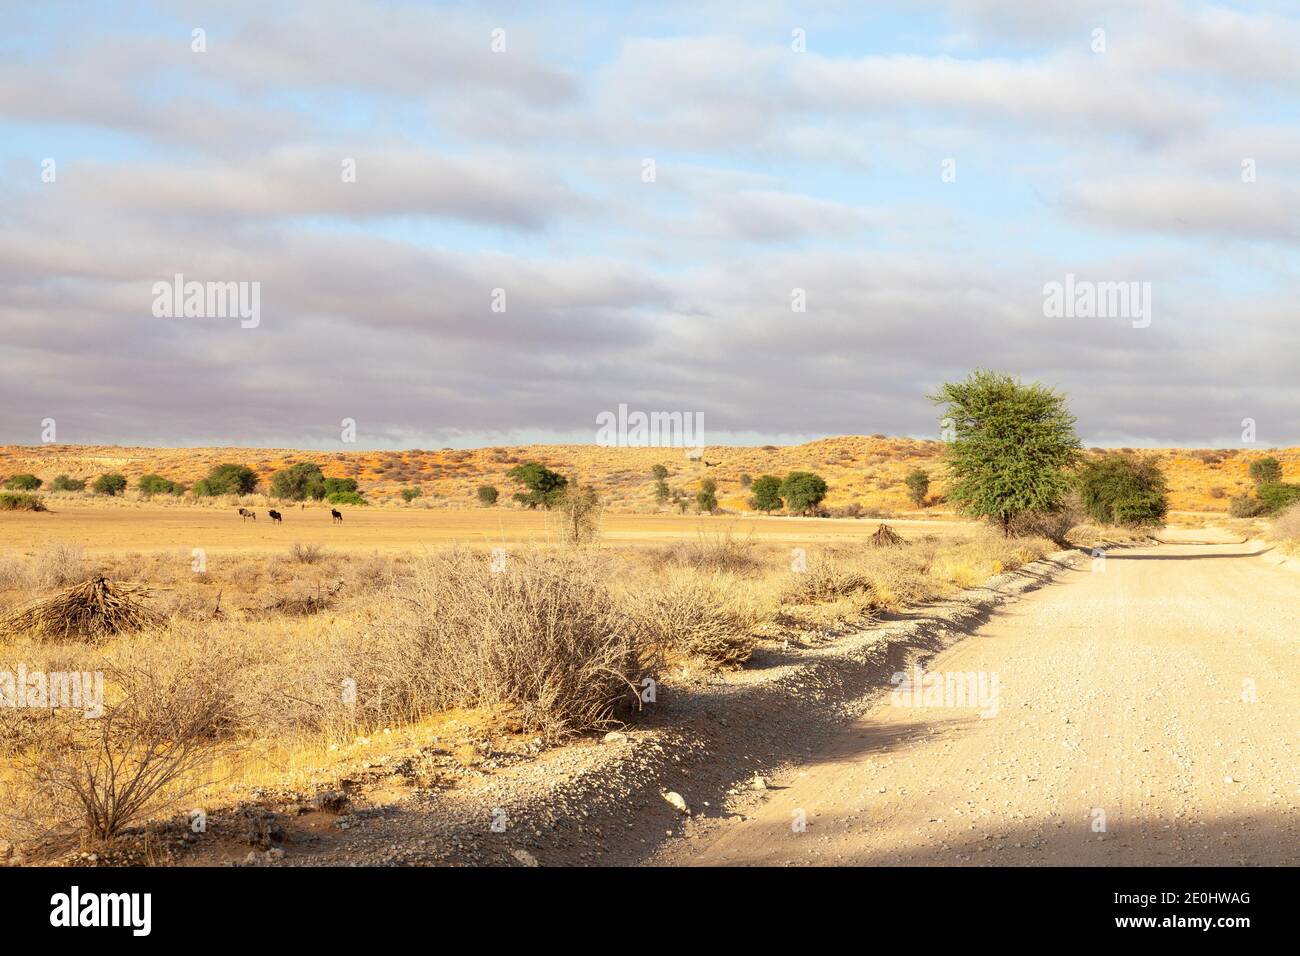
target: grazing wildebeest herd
336 516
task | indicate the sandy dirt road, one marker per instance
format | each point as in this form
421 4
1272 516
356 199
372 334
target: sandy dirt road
1160 690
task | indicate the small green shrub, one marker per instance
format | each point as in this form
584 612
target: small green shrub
1277 496
347 498
1124 490
21 502
23 483
1244 506
150 485
488 495
226 480
64 483
335 485
1266 471
410 494
111 484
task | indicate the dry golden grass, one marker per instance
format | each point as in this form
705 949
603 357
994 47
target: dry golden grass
555 644
1285 530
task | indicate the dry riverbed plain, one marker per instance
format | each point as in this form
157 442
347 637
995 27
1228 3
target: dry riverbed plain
101 528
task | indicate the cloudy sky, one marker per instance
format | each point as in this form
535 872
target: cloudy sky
649 186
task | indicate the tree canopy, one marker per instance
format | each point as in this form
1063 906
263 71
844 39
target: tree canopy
1012 446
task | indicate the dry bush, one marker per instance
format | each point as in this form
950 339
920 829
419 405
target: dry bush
901 576
545 637
13 574
828 576
1089 535
865 580
79 779
58 565
306 553
304 605
1052 525
1286 527
709 616
972 561
577 517
710 551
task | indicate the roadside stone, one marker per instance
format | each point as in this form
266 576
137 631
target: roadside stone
676 801
332 801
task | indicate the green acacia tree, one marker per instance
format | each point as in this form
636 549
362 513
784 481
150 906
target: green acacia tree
918 486
1012 446
767 493
803 491
302 481
545 487
1266 471
706 499
226 480
1121 489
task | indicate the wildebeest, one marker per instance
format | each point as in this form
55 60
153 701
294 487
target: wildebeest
246 514
275 516
337 515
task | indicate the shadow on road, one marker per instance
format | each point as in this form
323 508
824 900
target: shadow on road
1067 840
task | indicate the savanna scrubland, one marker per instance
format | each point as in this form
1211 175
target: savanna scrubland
277 658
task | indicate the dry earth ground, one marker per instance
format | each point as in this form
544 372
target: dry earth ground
101 528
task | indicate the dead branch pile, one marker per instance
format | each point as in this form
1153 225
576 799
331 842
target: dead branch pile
886 537
93 610
304 605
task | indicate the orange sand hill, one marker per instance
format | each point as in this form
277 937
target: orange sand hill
867 471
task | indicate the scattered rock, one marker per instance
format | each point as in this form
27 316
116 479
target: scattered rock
676 801
262 828
524 857
332 801
615 737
